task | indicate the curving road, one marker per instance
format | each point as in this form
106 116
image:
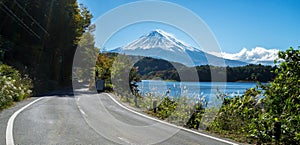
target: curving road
90 119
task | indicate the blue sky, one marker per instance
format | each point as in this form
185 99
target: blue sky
236 24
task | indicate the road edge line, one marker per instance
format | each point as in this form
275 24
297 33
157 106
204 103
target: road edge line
10 124
179 127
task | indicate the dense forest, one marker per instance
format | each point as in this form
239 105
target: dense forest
151 68
40 38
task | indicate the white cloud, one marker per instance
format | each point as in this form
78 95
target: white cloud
255 55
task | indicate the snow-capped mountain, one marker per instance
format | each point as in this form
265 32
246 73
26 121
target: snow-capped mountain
160 44
159 39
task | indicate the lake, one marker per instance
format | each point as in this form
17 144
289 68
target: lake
192 89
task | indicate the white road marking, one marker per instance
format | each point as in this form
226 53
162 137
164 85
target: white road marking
125 140
179 127
82 112
10 123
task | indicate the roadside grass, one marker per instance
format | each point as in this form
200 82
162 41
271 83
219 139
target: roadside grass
14 87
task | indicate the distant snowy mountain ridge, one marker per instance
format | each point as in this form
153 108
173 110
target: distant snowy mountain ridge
257 55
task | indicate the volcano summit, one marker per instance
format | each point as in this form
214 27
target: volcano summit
160 44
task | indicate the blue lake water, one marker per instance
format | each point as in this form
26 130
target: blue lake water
192 89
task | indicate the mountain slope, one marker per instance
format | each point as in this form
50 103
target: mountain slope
160 44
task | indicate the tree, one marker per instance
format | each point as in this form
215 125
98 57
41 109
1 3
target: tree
104 65
104 69
134 78
86 56
124 77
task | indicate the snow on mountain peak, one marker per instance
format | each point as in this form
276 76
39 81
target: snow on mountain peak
158 39
163 33
155 33
163 45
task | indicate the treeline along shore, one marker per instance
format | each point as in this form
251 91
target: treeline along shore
151 68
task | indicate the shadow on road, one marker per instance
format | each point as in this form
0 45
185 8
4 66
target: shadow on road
76 89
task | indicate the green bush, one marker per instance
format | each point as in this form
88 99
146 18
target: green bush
282 98
13 86
236 113
166 107
196 116
253 119
182 111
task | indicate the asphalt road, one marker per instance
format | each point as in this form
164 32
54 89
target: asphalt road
91 119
